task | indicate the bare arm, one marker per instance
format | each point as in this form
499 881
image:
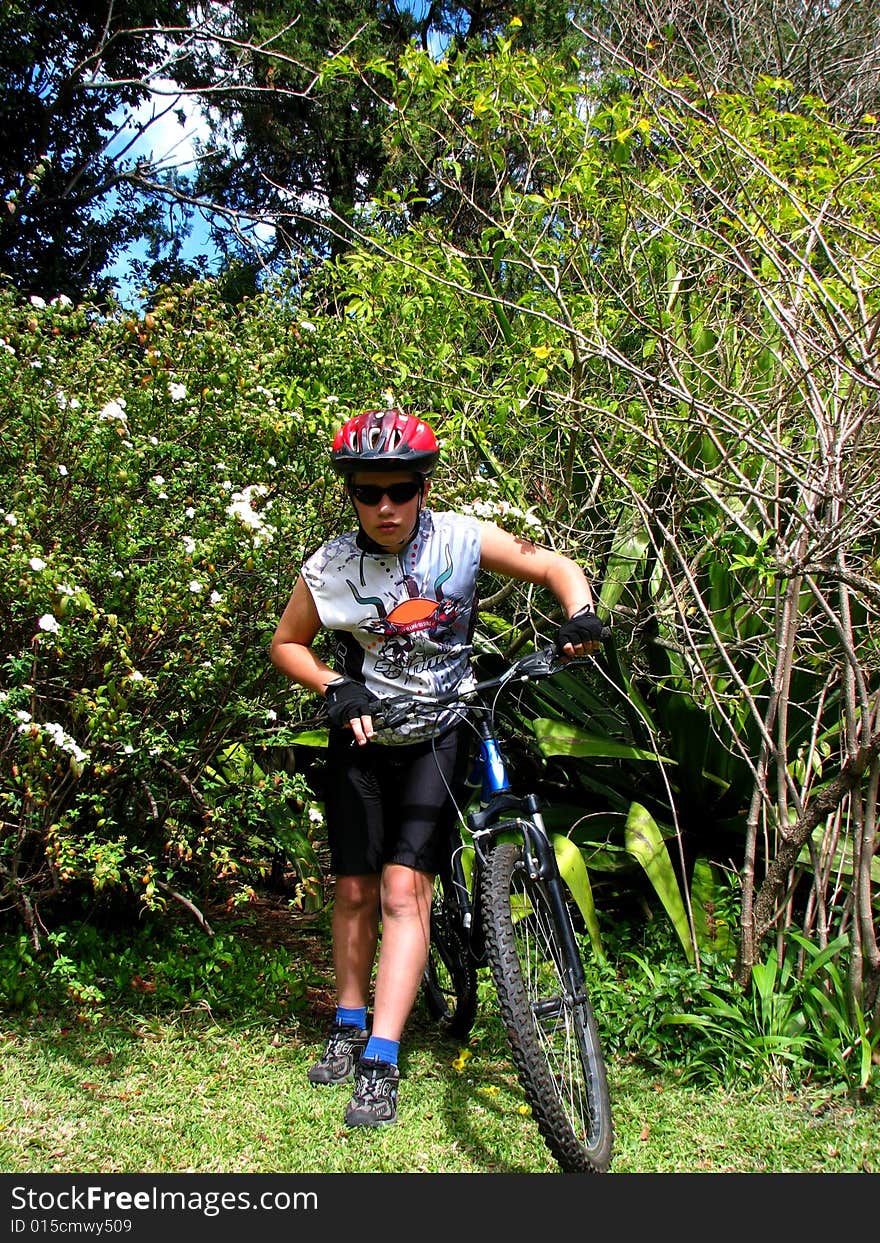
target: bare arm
515 557
291 646
291 651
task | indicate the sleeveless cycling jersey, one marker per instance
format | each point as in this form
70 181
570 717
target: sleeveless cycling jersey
403 621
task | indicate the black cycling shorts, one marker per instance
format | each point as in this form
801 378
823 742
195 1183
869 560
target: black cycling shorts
391 804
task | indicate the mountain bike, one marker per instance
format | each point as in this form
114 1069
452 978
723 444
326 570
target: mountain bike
501 902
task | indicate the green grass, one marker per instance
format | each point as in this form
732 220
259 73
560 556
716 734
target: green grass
217 1084
190 1095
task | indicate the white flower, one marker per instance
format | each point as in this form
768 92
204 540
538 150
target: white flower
57 734
308 325
272 462
37 564
39 303
189 543
64 741
114 410
11 520
177 392
242 508
49 623
479 508
61 300
22 715
154 440
158 480
272 715
195 587
128 749
136 675
215 597
189 512
64 589
315 815
62 470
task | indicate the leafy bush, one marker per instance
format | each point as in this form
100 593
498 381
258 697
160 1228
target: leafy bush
162 478
91 973
791 1025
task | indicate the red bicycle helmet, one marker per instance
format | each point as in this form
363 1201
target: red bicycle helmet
382 440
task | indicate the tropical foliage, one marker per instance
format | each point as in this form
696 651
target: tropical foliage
676 299
643 317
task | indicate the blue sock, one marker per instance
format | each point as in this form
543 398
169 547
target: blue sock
381 1050
354 1018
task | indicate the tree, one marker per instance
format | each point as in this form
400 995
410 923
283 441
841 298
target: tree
827 50
75 196
303 150
70 204
674 366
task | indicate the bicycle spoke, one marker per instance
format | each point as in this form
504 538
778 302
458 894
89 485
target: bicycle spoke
449 985
552 1007
548 1016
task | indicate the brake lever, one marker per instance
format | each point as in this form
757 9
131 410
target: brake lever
535 664
393 713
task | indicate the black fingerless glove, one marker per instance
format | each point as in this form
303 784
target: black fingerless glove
583 627
348 699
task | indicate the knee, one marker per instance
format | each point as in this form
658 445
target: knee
406 894
356 895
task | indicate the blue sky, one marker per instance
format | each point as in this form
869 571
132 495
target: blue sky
171 144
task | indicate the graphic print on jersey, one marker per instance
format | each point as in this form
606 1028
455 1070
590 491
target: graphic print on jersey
415 616
403 622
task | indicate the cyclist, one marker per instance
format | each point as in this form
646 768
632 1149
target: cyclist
399 595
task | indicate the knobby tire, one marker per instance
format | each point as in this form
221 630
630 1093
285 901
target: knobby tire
552 1032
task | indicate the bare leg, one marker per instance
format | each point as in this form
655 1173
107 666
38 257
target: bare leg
355 935
406 925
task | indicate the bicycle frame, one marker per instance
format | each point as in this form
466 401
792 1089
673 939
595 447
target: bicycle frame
500 812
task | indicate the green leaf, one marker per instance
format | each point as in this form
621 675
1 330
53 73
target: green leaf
627 561
309 738
645 843
559 738
712 931
574 873
842 857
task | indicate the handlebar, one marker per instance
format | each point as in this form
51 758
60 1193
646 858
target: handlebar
529 668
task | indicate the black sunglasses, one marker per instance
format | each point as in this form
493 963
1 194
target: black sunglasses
397 493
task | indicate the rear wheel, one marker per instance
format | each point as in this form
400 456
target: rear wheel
449 985
547 1015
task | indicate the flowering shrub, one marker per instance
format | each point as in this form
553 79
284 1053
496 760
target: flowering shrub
163 477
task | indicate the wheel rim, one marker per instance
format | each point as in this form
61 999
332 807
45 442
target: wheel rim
561 1019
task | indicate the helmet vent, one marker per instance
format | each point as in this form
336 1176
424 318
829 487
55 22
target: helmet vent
380 439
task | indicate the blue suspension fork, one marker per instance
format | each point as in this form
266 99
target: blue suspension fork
539 857
489 776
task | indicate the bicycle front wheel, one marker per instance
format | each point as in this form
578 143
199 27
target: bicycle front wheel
449 985
548 1017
